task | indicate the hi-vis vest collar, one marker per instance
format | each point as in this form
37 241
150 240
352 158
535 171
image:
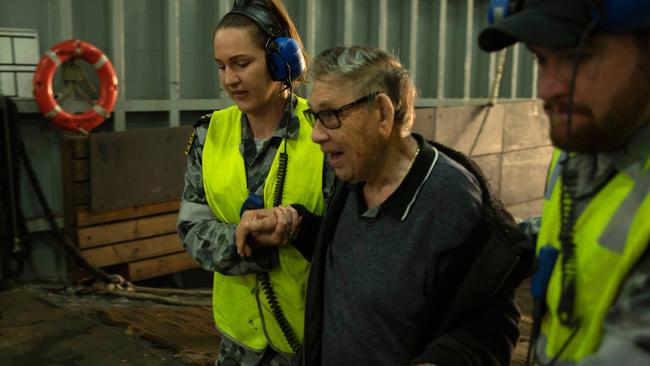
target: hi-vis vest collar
610 236
242 313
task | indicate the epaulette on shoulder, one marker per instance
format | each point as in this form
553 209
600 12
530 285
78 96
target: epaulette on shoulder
204 120
190 141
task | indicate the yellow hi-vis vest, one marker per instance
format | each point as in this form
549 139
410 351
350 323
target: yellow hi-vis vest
610 236
235 298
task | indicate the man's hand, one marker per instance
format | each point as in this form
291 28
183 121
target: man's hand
266 227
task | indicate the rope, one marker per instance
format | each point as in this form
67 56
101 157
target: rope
131 293
16 245
173 291
119 287
494 95
67 243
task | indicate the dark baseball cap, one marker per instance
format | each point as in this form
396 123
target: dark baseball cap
545 23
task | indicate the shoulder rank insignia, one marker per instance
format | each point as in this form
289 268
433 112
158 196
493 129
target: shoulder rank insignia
205 119
188 146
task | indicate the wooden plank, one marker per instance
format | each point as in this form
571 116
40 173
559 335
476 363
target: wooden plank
133 250
137 167
86 218
159 266
81 192
94 236
81 170
67 180
80 146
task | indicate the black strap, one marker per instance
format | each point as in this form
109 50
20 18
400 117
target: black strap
495 254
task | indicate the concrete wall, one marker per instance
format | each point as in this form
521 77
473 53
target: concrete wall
508 141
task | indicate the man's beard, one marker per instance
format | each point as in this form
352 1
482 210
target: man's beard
625 114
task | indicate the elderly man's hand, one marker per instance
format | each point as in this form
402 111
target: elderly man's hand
266 227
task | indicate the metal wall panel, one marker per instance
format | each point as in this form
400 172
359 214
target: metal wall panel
145 50
162 52
198 20
429 36
91 23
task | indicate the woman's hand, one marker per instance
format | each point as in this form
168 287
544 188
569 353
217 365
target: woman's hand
266 227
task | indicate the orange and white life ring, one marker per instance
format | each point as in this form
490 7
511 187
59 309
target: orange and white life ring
44 95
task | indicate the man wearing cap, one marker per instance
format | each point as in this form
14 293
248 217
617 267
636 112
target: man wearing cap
594 79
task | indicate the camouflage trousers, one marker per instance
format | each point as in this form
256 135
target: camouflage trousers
232 354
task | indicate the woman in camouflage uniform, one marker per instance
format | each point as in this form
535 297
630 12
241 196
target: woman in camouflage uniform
255 154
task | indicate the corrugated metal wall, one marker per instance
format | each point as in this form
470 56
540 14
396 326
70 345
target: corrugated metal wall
162 52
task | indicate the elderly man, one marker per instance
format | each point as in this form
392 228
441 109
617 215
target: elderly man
391 279
593 302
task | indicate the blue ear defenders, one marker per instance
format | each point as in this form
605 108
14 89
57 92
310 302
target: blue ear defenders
624 15
615 15
284 56
499 9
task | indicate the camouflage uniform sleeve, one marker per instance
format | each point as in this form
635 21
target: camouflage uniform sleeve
531 227
210 242
626 336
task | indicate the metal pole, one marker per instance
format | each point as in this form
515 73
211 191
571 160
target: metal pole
383 25
9 165
533 93
173 57
469 43
413 40
311 27
496 84
515 71
348 21
117 25
442 49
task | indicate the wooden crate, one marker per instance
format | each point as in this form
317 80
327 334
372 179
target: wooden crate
138 242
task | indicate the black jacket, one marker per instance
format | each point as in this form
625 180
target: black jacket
479 323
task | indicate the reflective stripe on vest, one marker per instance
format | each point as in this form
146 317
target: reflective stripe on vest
554 172
610 236
235 304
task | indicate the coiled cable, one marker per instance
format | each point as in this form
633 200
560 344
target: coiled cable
569 268
278 313
263 277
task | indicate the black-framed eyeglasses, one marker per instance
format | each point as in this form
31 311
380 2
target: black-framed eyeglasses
330 118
